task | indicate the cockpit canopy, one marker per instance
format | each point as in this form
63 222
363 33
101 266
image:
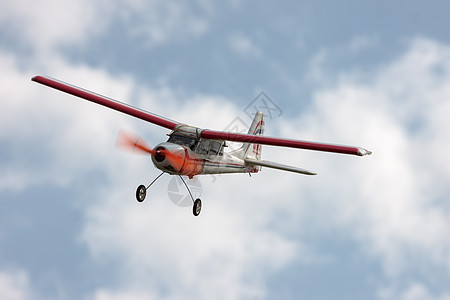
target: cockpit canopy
209 147
199 146
183 140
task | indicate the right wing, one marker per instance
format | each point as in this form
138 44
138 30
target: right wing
274 165
105 101
281 142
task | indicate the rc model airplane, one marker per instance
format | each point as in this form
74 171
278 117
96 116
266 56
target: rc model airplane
192 151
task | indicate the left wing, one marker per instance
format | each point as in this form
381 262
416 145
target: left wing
274 165
105 101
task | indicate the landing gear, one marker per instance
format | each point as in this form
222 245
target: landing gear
196 209
141 192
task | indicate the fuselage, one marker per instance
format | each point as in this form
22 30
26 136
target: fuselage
185 153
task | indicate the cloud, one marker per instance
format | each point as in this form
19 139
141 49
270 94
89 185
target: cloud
394 202
404 203
389 203
46 26
75 143
383 201
104 294
159 21
14 286
243 45
34 115
185 256
414 291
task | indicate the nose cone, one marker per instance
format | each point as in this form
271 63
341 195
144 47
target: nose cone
159 155
168 157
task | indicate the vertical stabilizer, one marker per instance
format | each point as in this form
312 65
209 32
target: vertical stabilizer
249 150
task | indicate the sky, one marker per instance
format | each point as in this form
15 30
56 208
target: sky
371 74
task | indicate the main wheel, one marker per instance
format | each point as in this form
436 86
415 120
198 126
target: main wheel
197 208
141 192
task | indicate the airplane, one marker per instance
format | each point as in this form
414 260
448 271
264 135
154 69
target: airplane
192 151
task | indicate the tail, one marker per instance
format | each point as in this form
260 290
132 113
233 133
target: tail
249 150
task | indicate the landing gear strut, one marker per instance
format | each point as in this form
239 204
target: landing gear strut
197 207
141 192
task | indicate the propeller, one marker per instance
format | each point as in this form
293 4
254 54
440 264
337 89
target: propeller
134 143
129 141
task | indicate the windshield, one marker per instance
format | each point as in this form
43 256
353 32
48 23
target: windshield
182 140
203 147
210 147
216 146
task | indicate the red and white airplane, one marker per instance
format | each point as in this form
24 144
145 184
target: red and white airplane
192 151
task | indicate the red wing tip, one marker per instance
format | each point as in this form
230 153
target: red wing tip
37 78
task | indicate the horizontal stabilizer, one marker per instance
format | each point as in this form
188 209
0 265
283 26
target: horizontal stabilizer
274 165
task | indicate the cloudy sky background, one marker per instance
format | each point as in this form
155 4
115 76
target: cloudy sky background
375 75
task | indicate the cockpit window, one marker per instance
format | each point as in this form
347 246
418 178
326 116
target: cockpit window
203 147
215 148
182 140
210 147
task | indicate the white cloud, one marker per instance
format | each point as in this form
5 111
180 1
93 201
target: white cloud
47 25
159 21
390 203
104 294
14 286
185 256
393 202
243 45
188 257
32 114
414 291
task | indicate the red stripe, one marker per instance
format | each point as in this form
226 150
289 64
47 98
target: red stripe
102 100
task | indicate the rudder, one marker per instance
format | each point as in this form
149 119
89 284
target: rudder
249 150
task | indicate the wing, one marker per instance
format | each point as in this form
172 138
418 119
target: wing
208 134
105 101
265 140
274 165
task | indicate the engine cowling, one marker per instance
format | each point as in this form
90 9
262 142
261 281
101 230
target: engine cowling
176 159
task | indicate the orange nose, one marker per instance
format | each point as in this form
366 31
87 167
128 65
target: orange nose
175 159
